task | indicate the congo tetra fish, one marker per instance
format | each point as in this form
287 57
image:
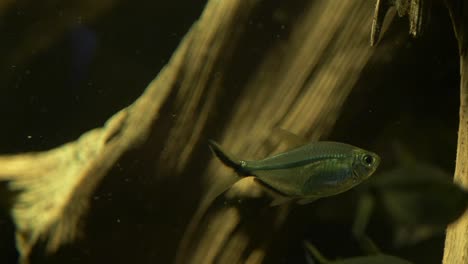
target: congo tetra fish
309 172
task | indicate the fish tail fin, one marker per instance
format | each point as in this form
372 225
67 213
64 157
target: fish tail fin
227 159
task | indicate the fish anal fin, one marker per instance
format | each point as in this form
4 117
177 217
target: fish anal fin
277 198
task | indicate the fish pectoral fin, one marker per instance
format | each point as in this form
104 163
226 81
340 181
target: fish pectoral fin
306 200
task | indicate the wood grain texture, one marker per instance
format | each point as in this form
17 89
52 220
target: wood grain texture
456 242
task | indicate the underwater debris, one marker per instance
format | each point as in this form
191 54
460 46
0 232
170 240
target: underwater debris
418 12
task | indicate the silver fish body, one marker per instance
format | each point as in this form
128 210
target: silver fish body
308 172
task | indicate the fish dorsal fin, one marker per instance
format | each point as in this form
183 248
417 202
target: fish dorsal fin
289 138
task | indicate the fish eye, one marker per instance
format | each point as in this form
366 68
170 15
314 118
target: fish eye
368 159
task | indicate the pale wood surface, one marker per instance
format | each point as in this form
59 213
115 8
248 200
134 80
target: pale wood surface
456 242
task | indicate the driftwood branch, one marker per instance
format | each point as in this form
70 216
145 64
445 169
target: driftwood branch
456 242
